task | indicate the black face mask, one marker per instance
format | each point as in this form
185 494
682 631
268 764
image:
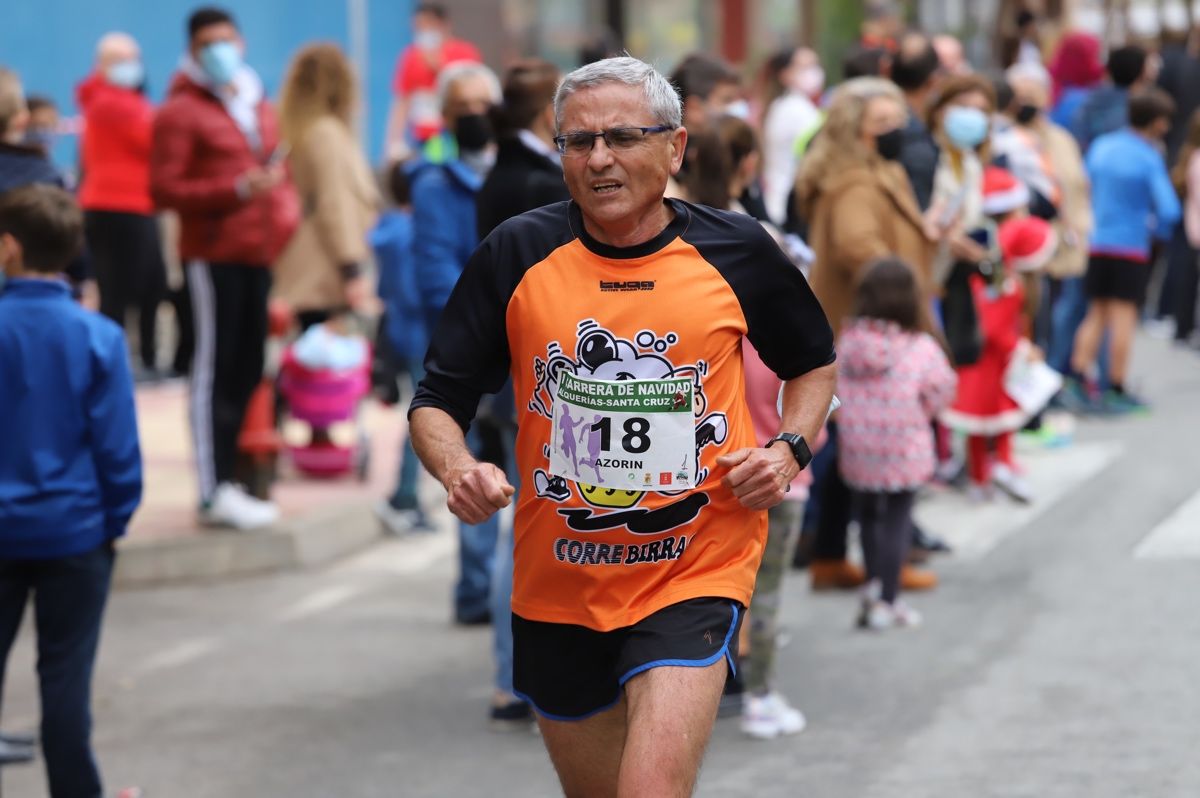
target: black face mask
1027 113
473 132
889 144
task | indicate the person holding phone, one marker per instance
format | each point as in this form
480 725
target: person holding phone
211 161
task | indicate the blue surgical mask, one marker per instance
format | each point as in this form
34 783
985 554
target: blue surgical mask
126 74
221 61
965 127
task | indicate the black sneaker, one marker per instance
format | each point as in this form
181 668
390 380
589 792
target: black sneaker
513 716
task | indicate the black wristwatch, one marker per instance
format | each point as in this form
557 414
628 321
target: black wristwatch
798 446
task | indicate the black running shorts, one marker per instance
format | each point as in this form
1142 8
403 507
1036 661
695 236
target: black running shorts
570 672
1117 278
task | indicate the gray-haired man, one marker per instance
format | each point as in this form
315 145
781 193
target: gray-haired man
629 589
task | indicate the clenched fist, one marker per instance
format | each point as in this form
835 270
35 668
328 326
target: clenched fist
477 491
759 478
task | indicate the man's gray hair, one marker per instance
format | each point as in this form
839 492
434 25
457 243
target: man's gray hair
661 96
458 70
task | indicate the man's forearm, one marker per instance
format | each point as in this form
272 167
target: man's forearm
439 442
806 402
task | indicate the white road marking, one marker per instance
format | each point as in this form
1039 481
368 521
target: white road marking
177 655
1178 537
973 530
319 601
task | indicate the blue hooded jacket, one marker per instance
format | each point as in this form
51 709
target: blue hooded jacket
404 322
444 230
70 465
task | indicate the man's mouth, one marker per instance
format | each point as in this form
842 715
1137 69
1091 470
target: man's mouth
607 187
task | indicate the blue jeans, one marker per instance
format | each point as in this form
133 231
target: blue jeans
1066 314
405 495
473 594
69 594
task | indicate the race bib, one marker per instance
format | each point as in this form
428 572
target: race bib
625 435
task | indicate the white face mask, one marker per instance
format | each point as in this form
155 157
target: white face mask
810 81
428 40
738 108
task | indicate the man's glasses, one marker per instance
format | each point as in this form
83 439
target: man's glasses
616 138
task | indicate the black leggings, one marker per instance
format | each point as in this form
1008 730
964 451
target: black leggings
129 267
885 522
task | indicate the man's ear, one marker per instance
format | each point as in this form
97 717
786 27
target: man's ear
10 254
678 148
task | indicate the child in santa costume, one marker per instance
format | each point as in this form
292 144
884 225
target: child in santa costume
982 409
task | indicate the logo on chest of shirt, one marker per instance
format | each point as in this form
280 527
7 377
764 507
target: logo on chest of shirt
599 354
626 285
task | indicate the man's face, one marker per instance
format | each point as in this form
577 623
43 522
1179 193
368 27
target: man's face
613 187
425 22
470 94
699 112
211 34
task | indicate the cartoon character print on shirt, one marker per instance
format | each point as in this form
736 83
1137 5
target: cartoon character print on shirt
599 354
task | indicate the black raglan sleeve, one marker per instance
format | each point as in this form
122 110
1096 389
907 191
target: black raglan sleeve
468 354
784 320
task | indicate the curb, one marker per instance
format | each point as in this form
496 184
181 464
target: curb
312 540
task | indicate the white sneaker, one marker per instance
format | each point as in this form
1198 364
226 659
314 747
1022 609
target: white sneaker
231 506
882 616
1012 483
906 615
767 717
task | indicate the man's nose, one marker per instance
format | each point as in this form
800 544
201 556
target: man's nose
601 156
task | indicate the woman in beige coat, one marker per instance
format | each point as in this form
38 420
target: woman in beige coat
860 207
320 274
857 198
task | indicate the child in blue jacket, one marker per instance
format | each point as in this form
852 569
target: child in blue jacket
402 335
70 469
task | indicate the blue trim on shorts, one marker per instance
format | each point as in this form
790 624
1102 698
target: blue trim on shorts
566 718
689 663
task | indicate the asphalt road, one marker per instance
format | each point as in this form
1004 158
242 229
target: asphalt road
1060 657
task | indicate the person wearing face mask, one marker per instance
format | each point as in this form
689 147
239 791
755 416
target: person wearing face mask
445 233
44 119
528 174
216 160
121 228
1060 176
795 80
860 207
415 115
22 164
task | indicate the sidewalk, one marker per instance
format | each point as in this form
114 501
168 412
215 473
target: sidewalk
322 519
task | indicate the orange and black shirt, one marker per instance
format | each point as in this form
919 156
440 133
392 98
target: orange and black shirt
540 298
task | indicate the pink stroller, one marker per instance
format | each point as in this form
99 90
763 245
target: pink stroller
322 398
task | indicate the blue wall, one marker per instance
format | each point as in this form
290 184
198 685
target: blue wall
51 43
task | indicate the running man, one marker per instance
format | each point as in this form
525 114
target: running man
567 425
627 601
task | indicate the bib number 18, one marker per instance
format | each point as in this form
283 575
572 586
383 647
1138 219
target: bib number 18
636 439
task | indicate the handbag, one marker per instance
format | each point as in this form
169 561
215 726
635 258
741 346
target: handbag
960 317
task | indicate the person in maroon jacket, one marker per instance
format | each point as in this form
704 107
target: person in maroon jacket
122 231
216 160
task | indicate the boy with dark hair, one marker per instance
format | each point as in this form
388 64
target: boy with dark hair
1134 203
1130 69
70 469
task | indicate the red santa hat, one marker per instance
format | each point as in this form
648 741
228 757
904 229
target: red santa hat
1027 243
1002 192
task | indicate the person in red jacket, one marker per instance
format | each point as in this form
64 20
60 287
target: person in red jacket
122 232
215 159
